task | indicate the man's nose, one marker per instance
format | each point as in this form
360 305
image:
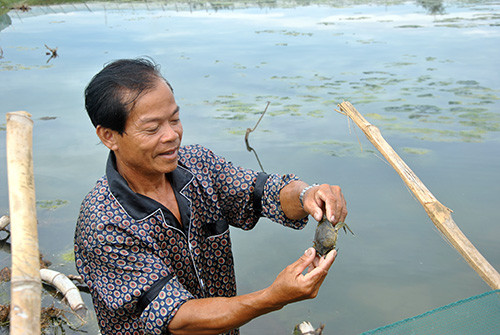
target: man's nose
169 134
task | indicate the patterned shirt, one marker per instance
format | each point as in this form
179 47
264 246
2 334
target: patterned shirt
141 264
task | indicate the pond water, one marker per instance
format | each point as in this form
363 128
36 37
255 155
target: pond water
427 76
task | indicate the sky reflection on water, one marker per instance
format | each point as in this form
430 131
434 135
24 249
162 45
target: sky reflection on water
429 82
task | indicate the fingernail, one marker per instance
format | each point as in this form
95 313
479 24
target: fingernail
318 216
308 252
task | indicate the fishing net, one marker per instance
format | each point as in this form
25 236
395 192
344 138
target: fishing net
479 314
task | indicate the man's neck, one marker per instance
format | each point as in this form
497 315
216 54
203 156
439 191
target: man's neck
143 184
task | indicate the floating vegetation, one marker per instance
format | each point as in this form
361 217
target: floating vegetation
9 66
454 109
338 148
316 113
409 26
68 256
283 32
356 18
416 151
239 66
51 204
375 116
236 131
399 64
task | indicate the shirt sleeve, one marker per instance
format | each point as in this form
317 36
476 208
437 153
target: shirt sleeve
245 195
158 313
271 205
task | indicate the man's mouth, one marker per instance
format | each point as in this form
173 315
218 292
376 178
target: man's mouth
169 153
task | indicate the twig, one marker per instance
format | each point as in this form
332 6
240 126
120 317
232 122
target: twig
261 116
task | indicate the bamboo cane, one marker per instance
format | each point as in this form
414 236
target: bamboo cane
25 284
67 288
439 214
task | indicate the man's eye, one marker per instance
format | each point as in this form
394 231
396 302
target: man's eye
152 130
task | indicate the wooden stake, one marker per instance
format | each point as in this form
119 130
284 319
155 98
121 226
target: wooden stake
25 284
439 214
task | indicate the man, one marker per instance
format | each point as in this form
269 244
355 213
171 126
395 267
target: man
152 239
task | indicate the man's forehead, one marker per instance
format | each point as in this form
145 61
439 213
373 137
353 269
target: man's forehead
161 115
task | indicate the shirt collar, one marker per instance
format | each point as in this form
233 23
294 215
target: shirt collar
139 206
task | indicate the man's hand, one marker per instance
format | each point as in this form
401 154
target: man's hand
294 284
326 199
318 201
218 315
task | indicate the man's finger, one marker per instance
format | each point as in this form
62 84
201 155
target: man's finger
304 261
326 262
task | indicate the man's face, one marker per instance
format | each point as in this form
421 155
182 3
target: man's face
153 132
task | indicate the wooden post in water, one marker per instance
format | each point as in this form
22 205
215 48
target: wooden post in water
439 214
26 285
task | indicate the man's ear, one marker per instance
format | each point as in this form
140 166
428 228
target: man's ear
107 137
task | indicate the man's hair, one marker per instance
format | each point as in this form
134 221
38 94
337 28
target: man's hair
112 93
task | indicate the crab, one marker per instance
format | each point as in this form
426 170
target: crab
325 238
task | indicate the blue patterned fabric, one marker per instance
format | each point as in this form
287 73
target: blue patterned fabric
141 264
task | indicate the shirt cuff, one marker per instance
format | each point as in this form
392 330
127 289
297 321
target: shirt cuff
271 205
158 314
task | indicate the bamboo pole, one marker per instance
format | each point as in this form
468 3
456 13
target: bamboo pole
25 284
438 213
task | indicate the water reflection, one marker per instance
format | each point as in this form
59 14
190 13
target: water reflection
52 52
5 21
432 6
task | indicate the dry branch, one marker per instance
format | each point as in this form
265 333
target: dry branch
67 288
26 285
439 214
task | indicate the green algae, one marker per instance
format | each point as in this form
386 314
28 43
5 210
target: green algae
454 110
51 204
283 32
9 66
378 117
410 26
338 148
68 256
416 151
316 113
